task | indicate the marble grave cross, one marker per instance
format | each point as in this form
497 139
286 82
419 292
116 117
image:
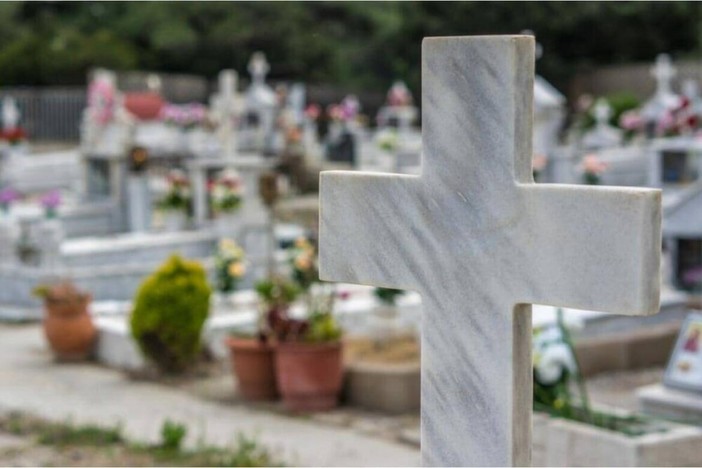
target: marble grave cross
481 242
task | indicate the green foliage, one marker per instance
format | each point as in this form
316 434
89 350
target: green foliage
172 435
619 103
322 328
63 434
169 312
277 292
246 451
387 295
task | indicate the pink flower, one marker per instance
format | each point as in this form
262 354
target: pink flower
592 164
631 120
538 162
665 123
343 295
312 112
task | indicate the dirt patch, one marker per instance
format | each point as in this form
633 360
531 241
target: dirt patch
398 350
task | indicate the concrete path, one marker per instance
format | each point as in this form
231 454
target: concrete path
86 393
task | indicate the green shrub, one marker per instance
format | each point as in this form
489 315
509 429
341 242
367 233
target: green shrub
169 312
172 435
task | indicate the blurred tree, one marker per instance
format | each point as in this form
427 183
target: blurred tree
356 45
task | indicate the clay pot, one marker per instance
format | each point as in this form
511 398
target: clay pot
69 328
252 365
309 375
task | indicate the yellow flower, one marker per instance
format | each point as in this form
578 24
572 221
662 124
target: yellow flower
236 269
226 244
558 403
303 262
301 243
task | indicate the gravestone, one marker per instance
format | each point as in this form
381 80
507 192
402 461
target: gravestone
260 101
10 114
226 107
481 242
603 135
664 99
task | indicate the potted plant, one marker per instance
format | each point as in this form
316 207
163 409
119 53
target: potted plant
309 367
176 202
68 326
170 310
252 355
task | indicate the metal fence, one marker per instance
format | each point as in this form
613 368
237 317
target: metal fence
49 113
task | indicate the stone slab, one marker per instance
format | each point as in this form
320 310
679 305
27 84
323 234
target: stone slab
680 405
571 443
387 388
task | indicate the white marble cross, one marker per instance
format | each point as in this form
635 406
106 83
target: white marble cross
227 111
663 72
480 241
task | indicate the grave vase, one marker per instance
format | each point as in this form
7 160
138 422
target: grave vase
69 329
253 368
309 375
9 237
227 224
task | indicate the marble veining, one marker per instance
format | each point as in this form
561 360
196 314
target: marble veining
480 241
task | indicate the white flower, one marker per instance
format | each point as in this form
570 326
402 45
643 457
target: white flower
553 360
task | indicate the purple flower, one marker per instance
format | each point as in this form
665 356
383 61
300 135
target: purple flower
693 275
8 195
350 107
51 200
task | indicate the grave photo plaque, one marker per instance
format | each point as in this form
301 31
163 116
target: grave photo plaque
684 369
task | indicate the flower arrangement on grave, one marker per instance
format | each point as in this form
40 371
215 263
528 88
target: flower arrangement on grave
681 120
50 201
229 265
184 116
387 139
312 112
7 197
13 136
592 168
170 310
178 194
101 100
554 366
556 372
226 192
303 263
346 111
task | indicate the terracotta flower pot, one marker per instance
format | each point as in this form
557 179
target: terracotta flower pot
69 328
309 375
252 364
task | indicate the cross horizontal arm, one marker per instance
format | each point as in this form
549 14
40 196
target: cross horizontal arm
595 248
369 228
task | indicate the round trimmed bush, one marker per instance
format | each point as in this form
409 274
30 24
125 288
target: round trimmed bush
169 312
